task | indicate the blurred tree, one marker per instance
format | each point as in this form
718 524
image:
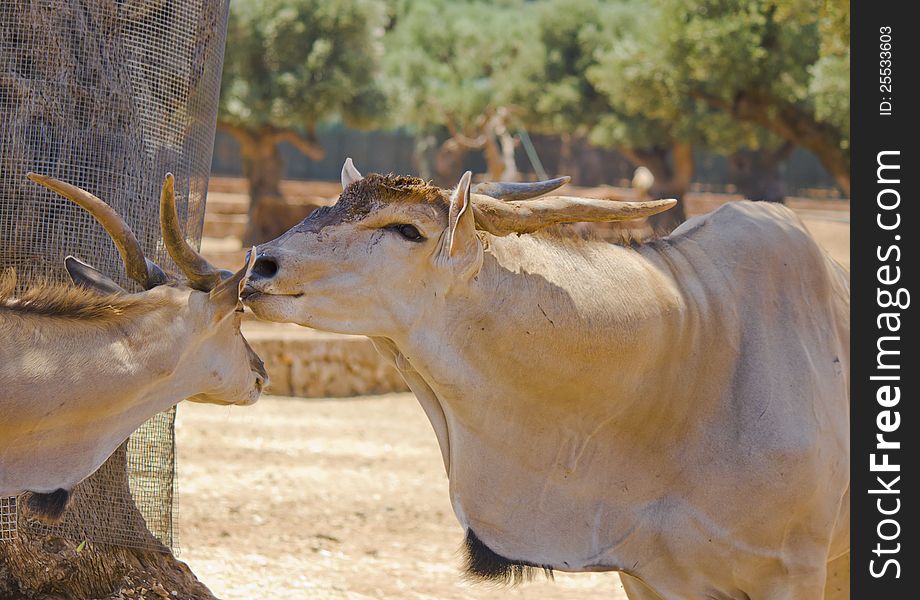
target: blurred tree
655 123
445 62
289 65
643 120
780 64
558 87
756 173
548 82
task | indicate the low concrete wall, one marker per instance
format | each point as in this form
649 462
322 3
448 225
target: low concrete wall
306 363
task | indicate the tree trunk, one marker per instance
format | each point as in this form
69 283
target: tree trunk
673 170
263 168
499 147
495 164
508 144
270 214
791 123
42 566
88 95
493 138
448 161
756 173
423 155
51 568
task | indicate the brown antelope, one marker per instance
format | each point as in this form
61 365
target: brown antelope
82 367
676 411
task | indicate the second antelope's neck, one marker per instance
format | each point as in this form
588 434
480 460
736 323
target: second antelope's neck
72 391
107 363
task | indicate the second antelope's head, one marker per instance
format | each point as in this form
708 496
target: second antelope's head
202 311
393 248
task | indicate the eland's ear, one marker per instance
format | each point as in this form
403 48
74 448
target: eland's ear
461 247
89 278
350 174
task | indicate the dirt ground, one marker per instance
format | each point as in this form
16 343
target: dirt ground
295 498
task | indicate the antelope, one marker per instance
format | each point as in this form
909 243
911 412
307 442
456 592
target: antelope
82 367
675 410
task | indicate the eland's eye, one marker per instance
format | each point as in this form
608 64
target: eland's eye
410 232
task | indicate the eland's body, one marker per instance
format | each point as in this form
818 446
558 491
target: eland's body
676 411
83 367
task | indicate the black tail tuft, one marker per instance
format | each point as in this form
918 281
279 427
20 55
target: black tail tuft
49 508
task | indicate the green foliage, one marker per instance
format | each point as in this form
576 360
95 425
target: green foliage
725 46
830 92
780 54
647 105
644 110
446 60
628 74
293 63
549 81
588 74
830 74
831 16
728 75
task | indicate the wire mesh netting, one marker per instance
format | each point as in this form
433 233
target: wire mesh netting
108 96
7 519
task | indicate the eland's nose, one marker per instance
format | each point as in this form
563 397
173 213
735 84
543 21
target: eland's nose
266 267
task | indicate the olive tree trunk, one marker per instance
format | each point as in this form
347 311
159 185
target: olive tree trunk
488 133
448 161
79 100
44 566
792 123
756 173
263 168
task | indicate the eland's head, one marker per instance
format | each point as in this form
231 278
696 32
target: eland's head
391 242
203 307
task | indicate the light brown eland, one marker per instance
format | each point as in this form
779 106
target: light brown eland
83 367
676 410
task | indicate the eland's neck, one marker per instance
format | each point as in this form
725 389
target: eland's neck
560 373
549 320
76 389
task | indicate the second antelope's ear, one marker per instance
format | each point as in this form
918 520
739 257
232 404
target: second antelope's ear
461 246
89 278
225 297
350 173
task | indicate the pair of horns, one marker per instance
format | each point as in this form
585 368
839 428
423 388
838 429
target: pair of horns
503 208
200 273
